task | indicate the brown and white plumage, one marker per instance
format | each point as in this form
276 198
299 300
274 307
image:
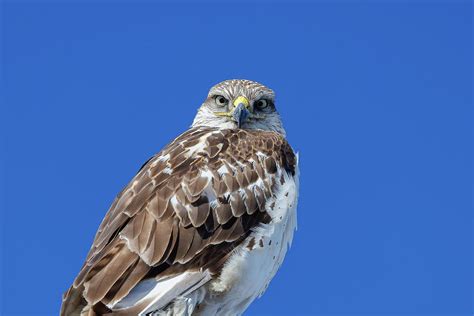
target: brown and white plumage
216 203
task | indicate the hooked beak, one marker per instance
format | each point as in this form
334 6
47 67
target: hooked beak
240 112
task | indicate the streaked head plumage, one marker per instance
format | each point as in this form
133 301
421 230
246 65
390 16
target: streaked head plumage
242 104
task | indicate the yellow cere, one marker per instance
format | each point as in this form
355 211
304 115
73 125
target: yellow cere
240 99
243 100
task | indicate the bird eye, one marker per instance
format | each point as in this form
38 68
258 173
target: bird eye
221 101
261 104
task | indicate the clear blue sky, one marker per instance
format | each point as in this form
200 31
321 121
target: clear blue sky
377 97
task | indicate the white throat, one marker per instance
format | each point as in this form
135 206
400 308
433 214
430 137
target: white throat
205 117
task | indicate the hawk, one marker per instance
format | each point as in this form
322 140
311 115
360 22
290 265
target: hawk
205 224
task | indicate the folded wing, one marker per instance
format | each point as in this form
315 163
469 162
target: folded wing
172 228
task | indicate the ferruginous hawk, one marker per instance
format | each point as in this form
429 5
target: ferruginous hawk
205 224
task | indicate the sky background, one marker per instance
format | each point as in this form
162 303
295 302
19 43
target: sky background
376 97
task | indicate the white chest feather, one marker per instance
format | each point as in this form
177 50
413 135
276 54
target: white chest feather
248 272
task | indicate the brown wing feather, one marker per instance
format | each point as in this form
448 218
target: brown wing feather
181 212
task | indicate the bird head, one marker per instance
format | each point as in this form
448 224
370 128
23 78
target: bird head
240 104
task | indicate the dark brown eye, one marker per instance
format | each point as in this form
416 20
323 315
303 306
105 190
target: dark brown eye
221 101
261 104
